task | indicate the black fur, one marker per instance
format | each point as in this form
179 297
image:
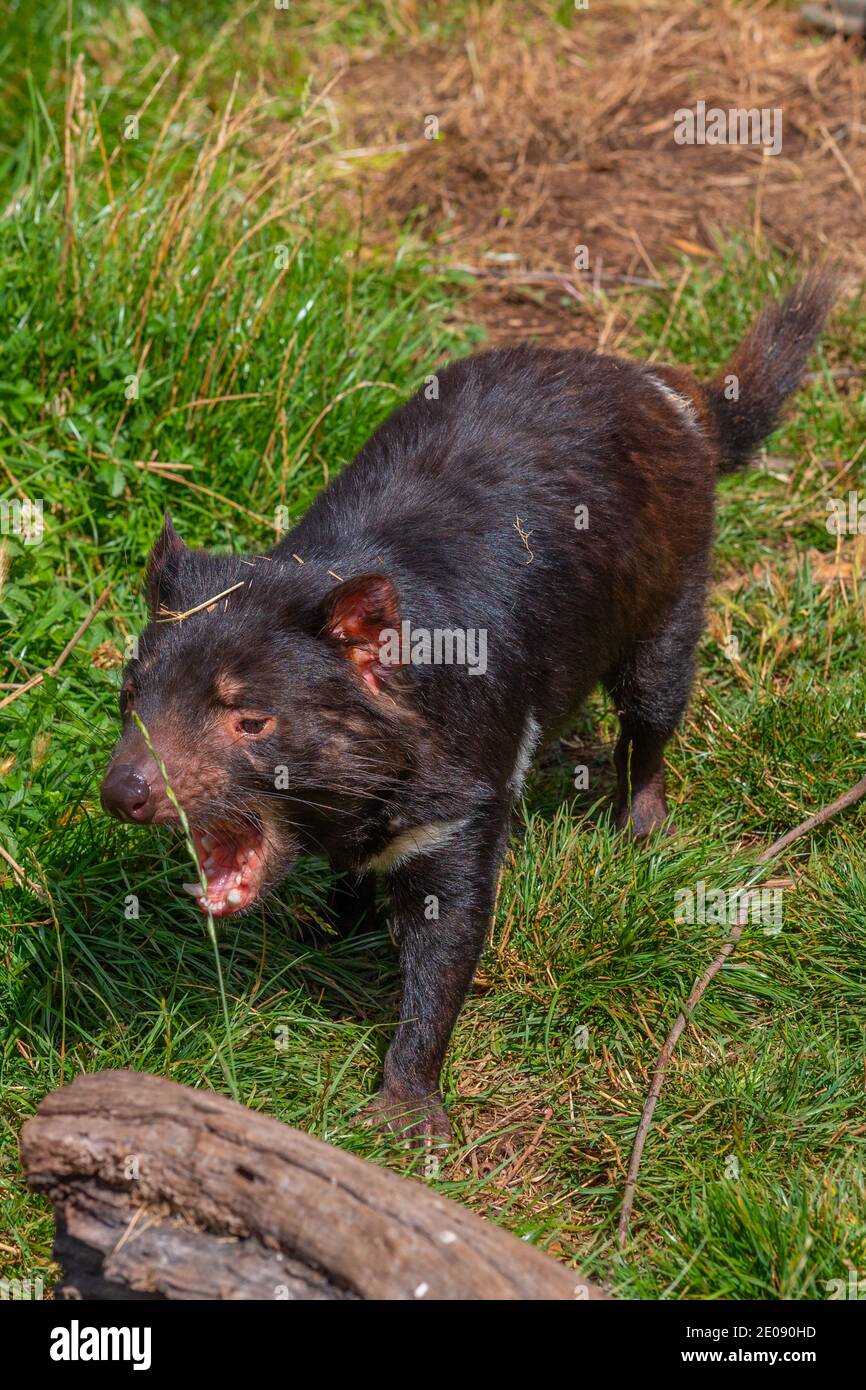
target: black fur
769 366
459 513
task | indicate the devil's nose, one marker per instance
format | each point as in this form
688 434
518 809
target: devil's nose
126 794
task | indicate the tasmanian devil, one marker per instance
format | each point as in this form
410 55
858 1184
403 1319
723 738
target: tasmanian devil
375 685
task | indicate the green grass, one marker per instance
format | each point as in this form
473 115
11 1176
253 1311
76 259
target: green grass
752 1183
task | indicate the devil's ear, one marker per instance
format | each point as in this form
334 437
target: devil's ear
168 546
363 616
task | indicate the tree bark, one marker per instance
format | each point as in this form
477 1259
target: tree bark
165 1192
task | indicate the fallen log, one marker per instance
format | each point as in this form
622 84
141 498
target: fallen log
165 1192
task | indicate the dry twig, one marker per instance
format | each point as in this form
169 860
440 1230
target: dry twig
22 878
53 669
841 803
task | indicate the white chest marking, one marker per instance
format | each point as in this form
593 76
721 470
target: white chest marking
421 839
525 751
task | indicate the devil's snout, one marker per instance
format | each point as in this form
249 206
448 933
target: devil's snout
127 794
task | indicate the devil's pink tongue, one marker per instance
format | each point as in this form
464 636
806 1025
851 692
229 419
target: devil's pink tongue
232 864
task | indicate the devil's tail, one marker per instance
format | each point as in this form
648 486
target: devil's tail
747 397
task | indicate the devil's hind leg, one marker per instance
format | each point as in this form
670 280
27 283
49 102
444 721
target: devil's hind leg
651 690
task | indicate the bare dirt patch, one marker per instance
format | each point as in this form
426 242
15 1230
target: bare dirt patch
554 137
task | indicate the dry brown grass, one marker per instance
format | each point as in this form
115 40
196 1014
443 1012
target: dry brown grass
555 137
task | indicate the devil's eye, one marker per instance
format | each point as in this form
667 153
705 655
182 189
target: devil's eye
126 701
252 726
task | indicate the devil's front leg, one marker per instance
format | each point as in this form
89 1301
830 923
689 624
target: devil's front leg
442 906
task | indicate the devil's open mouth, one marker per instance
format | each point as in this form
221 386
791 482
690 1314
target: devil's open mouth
232 860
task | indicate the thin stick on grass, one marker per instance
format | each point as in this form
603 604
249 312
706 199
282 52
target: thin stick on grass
212 400
54 668
36 889
202 879
160 471
552 277
841 803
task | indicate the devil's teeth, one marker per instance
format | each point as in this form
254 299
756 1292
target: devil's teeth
208 841
209 863
235 897
194 889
